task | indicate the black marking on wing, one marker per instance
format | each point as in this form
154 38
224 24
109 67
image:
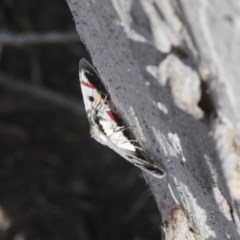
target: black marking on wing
94 78
90 98
97 120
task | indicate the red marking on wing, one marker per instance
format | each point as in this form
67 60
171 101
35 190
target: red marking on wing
110 114
87 84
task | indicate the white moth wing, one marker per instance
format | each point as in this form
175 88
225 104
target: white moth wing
98 106
87 91
114 133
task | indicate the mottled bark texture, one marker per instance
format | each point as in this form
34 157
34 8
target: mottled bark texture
171 68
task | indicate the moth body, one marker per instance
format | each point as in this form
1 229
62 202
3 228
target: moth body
106 125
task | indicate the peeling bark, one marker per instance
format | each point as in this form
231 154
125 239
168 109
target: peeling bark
129 43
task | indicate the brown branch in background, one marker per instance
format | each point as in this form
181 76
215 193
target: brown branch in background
22 39
59 100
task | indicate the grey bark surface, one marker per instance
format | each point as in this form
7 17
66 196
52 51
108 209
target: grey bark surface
153 57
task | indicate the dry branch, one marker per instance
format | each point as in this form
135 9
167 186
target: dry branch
148 53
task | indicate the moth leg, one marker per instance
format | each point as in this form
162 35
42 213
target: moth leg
119 129
139 161
123 128
99 105
105 99
125 141
152 167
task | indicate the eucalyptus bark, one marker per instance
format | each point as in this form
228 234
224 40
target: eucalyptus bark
171 68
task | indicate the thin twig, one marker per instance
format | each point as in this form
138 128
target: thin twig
41 93
21 39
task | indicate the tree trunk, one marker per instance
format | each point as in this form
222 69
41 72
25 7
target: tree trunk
171 68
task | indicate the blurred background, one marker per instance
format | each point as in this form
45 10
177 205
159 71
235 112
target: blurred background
56 182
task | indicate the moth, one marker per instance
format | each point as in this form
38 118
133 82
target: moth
106 124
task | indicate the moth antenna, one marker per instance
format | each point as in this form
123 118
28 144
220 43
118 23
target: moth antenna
104 100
